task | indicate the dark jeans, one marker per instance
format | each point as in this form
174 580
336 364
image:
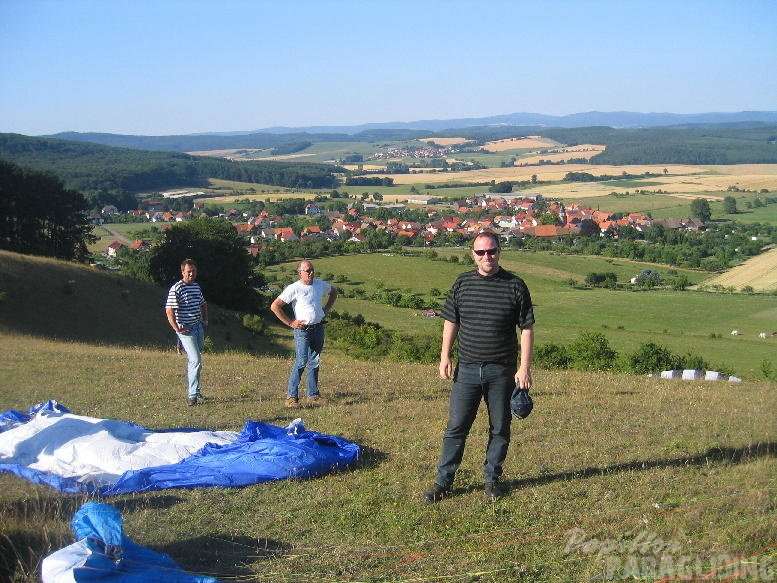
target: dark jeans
494 383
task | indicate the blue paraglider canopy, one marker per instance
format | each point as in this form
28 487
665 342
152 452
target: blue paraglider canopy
102 552
79 454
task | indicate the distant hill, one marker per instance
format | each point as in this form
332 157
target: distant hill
97 168
614 119
273 136
110 165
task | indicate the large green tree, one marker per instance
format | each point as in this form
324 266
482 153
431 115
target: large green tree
39 216
730 205
700 209
226 272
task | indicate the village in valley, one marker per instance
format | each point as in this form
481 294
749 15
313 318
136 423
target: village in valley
509 216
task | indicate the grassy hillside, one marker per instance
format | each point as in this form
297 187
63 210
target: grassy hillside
53 299
57 300
611 476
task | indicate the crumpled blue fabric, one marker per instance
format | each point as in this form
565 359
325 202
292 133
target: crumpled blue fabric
112 556
260 453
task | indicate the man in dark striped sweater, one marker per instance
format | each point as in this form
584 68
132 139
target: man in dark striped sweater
484 309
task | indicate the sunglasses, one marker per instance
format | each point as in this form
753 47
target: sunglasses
306 270
481 252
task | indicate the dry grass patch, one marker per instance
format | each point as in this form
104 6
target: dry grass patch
444 141
759 272
681 180
586 151
365 167
233 152
529 142
521 173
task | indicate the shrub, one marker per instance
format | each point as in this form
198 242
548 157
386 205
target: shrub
423 348
591 351
652 358
254 323
693 361
767 369
648 278
551 356
607 280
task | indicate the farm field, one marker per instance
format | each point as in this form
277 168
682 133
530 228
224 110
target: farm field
660 193
760 272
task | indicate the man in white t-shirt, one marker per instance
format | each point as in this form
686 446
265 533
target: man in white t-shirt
305 297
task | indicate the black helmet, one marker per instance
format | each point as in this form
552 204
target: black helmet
521 403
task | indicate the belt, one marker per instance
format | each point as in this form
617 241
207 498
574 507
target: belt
311 326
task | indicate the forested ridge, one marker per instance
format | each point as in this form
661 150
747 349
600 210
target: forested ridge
113 174
95 168
733 143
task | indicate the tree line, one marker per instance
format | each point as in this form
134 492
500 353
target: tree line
109 175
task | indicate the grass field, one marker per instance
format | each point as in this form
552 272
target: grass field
698 322
611 476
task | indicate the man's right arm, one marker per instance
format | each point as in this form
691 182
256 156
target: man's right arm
449 332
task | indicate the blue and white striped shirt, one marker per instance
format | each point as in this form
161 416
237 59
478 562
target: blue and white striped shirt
186 300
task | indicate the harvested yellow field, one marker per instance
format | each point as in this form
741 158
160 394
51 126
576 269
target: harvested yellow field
224 153
517 173
759 272
288 157
685 181
365 167
443 141
527 143
586 151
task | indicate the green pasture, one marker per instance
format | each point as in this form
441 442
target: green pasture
685 322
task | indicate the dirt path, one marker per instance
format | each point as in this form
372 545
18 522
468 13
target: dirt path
116 235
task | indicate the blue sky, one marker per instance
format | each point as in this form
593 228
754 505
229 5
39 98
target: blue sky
184 66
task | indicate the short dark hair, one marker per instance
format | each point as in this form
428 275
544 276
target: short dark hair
186 262
493 236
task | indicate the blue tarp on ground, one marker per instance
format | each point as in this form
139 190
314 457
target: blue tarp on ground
104 553
77 454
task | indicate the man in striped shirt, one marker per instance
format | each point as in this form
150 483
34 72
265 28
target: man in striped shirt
187 314
483 310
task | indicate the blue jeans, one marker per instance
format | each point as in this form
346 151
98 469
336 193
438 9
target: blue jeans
308 344
193 343
494 383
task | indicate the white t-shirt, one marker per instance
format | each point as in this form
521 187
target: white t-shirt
306 300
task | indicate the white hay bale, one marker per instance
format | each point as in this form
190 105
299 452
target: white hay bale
713 375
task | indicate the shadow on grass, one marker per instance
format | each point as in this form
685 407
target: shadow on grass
713 456
223 556
369 458
145 503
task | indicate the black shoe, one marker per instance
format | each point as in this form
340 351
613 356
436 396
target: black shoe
494 491
436 494
197 400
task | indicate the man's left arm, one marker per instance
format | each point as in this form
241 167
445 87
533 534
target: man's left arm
204 313
523 375
330 300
